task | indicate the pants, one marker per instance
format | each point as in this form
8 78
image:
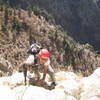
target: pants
51 73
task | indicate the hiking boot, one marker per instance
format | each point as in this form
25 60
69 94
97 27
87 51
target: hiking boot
53 83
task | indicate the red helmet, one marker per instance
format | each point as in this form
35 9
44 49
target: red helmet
44 54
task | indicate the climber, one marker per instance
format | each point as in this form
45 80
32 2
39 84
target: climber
44 62
38 60
31 61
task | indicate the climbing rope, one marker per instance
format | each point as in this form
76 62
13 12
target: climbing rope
21 97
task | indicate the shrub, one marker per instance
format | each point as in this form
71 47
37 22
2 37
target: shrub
16 24
4 28
44 13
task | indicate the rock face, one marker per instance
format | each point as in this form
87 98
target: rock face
79 17
69 87
7 93
91 86
29 94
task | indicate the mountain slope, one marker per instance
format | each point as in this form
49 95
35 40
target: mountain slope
19 29
79 17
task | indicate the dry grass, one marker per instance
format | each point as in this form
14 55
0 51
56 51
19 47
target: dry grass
66 54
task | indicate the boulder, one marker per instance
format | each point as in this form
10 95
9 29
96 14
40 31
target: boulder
70 87
37 93
61 76
91 86
5 81
59 94
6 93
31 93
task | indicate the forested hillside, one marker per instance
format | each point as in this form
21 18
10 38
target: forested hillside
80 18
20 28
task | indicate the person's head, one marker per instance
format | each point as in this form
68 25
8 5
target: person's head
43 55
34 49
